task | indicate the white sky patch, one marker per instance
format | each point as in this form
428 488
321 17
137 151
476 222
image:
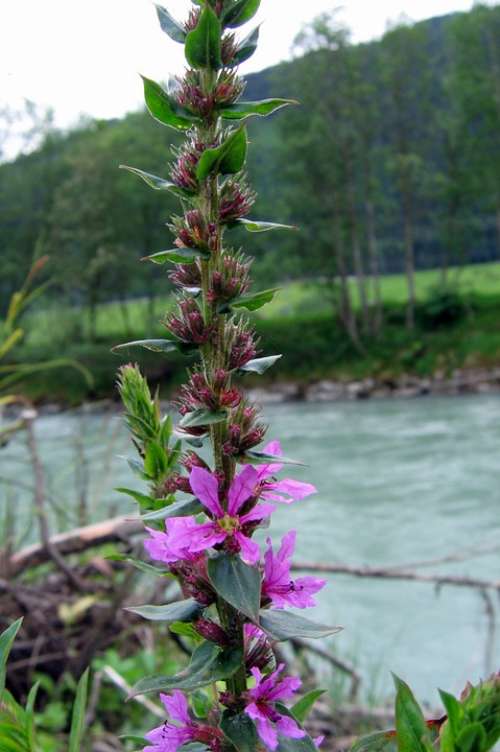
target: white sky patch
84 57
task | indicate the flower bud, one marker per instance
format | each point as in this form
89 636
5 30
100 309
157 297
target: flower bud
212 632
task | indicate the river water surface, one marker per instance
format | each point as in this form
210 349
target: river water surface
398 481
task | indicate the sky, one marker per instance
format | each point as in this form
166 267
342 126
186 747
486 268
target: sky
84 57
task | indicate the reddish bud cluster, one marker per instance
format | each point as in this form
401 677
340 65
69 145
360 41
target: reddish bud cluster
191 459
198 393
183 171
194 580
243 346
186 275
244 431
193 18
188 324
193 232
236 200
174 483
212 632
191 95
230 279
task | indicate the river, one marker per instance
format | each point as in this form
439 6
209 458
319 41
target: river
399 481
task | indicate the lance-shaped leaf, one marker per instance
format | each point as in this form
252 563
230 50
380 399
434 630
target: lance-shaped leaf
177 256
183 611
240 730
237 583
209 663
251 302
203 44
6 640
226 159
240 12
142 566
246 48
163 108
283 625
159 184
179 509
144 501
155 345
202 417
252 457
303 707
380 741
260 365
78 718
411 729
170 26
252 225
263 108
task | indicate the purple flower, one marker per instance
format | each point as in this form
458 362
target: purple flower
261 706
169 737
172 545
278 585
286 490
226 526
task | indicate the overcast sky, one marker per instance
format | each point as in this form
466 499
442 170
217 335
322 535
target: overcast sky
84 56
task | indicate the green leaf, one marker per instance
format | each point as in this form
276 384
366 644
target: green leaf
471 739
6 640
411 729
302 708
30 716
203 44
177 256
145 502
227 159
262 108
209 663
380 741
240 730
170 26
202 417
237 583
306 744
251 225
155 461
159 184
240 12
182 611
246 48
260 365
163 108
155 345
179 509
255 301
78 717
252 457
283 625
454 711
185 630
139 564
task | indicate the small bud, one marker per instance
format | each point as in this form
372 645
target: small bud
212 632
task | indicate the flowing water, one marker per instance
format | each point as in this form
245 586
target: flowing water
398 481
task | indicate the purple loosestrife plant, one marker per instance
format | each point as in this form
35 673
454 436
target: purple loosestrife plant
235 595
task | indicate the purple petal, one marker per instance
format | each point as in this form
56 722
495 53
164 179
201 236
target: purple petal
206 488
284 689
318 741
176 706
259 512
173 545
288 727
287 545
294 490
250 551
242 488
205 536
267 733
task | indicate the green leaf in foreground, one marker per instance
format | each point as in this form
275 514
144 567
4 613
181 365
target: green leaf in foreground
78 717
255 301
170 26
182 611
6 640
202 417
260 365
411 729
155 345
379 741
163 108
246 48
283 625
209 663
159 184
240 730
261 458
177 256
237 583
302 708
252 225
142 566
178 509
203 43
226 159
262 108
240 12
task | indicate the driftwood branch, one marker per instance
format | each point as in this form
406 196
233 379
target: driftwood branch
396 573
